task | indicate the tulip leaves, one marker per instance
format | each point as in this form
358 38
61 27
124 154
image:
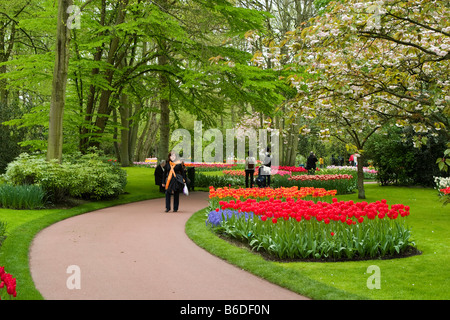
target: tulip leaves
300 229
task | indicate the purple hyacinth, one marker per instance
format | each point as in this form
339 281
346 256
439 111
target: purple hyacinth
215 218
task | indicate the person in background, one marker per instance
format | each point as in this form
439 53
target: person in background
159 175
250 163
311 163
333 160
351 160
268 164
355 159
321 163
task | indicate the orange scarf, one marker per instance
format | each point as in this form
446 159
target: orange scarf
171 173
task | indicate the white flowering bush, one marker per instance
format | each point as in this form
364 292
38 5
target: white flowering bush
442 182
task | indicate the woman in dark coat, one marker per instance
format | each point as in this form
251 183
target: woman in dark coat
172 169
159 175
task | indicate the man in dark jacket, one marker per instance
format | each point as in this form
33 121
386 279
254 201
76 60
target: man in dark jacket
159 175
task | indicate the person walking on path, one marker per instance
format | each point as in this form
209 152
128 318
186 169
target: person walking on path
174 176
250 163
159 175
311 163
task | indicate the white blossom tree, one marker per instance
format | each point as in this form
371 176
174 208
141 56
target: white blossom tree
363 64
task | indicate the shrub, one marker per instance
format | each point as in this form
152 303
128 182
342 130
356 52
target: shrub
82 176
22 197
97 179
399 162
205 181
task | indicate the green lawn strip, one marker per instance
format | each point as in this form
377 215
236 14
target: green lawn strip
22 227
421 277
274 272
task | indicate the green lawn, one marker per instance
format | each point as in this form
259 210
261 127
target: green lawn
419 277
23 225
423 277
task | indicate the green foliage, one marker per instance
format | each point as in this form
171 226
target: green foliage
393 159
290 239
96 179
80 176
12 136
22 197
444 162
399 162
217 181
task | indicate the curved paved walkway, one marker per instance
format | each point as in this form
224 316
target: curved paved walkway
137 251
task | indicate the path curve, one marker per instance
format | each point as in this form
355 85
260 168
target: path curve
138 252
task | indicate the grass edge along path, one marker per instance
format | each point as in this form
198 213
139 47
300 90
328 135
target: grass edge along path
14 251
255 264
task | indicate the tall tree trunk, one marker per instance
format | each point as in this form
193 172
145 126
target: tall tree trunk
164 126
55 130
3 88
124 110
146 141
150 138
91 101
133 134
360 167
114 59
5 52
116 135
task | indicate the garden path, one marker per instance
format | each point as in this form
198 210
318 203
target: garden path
138 252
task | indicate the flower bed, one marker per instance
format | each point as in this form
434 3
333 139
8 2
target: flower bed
210 166
445 194
369 172
225 193
145 164
286 227
445 191
241 173
322 177
293 169
7 282
237 173
342 183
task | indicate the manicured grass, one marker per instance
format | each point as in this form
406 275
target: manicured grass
422 277
23 225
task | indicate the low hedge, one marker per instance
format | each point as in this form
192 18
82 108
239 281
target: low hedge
79 176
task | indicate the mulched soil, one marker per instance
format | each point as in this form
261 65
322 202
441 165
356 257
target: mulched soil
409 252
